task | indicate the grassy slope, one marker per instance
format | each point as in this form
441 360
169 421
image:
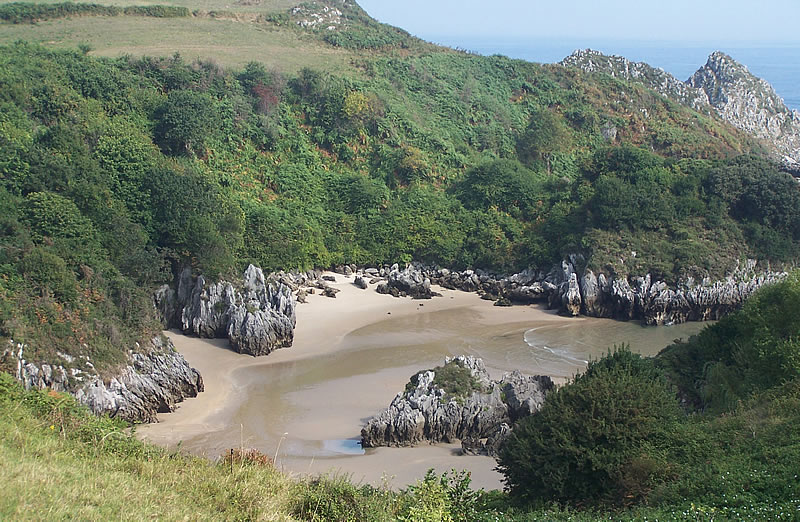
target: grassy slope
57 461
230 42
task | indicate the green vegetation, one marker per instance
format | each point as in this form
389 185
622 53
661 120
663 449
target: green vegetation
58 459
455 379
117 173
745 353
615 438
25 12
613 444
599 439
365 145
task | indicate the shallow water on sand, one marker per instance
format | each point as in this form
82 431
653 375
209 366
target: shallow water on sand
308 413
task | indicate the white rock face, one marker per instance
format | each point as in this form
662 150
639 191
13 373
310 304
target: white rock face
749 103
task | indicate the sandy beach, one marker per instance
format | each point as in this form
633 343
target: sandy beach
305 405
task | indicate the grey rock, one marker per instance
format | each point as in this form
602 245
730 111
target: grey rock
723 87
749 103
571 296
329 291
360 282
257 316
411 281
657 79
152 382
423 413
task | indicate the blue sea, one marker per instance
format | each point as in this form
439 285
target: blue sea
778 64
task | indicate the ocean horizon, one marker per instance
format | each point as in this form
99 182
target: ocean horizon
779 64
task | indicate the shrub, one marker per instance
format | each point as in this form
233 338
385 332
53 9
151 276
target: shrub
454 379
49 274
752 350
598 439
338 499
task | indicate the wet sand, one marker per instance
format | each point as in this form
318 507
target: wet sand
305 405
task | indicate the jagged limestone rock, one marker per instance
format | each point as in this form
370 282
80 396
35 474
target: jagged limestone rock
411 282
749 103
153 381
571 296
424 412
723 86
256 315
659 80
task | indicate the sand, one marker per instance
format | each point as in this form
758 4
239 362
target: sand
305 405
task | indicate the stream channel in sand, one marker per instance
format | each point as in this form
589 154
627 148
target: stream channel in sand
305 405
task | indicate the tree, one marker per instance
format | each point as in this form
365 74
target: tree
545 135
185 121
505 184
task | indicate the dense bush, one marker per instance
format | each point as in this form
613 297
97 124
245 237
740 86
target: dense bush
599 439
25 12
185 121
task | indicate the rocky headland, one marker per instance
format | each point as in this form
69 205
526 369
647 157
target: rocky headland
480 414
723 87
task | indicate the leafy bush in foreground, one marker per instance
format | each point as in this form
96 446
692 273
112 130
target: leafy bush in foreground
598 439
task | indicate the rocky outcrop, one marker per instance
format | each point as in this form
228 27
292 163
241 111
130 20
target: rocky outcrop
424 412
749 103
410 281
153 381
654 302
723 86
256 315
657 79
573 289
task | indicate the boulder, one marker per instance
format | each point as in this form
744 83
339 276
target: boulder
329 291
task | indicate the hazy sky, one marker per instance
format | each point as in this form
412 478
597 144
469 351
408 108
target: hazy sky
767 21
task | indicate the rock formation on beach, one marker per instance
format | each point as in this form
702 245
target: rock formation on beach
573 289
256 314
154 380
480 417
723 86
409 281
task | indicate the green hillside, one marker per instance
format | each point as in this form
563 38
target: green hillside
117 172
229 33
